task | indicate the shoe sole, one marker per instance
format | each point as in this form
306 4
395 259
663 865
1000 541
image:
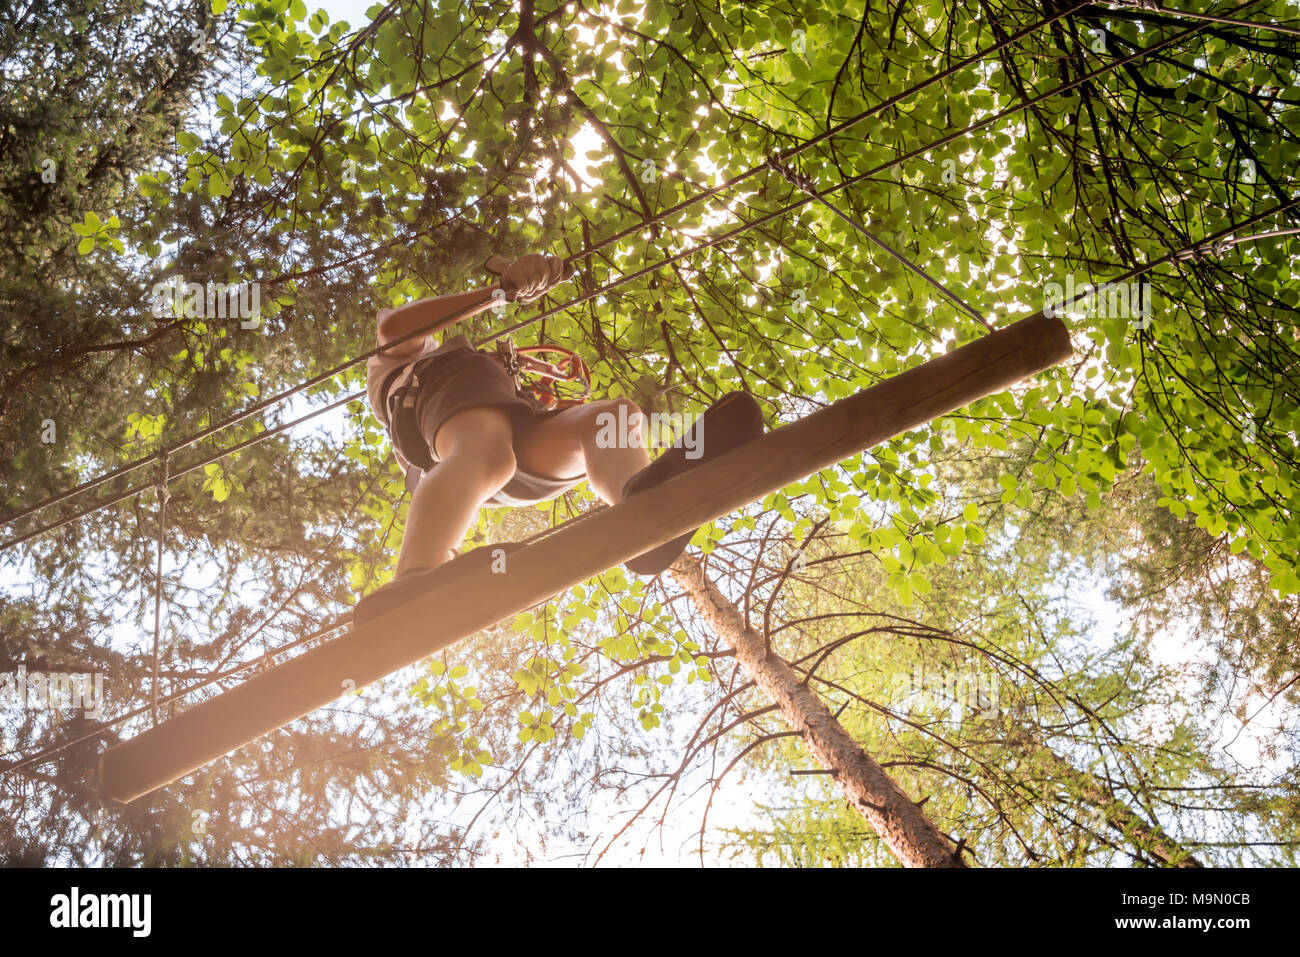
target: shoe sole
729 423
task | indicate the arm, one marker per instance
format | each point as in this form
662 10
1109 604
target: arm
525 279
394 323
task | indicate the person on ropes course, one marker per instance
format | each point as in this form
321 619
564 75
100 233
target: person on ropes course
469 434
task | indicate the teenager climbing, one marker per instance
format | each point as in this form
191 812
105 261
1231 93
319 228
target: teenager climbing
470 436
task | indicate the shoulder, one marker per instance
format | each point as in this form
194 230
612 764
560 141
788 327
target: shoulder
452 343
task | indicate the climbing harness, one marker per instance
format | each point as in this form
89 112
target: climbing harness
533 377
529 373
328 374
650 220
536 377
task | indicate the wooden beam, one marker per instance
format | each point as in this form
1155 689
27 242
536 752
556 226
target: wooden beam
482 598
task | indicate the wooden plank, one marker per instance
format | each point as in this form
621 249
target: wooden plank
534 574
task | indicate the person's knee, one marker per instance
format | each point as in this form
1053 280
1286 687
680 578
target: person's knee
478 446
492 461
620 418
486 461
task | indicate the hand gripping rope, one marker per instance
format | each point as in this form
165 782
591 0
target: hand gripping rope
529 373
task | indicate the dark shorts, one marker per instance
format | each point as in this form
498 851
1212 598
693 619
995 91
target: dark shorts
472 380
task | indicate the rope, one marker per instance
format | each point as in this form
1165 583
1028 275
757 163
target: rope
129 467
49 752
255 663
1213 246
163 495
1219 248
805 183
193 467
1154 6
622 280
346 618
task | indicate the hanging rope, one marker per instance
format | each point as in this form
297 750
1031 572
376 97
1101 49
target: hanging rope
346 618
579 300
260 406
252 663
164 494
255 664
193 467
805 183
1155 6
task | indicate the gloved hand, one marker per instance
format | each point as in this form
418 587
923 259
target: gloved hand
530 276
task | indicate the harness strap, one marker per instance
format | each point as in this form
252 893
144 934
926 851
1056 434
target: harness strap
571 368
402 390
402 394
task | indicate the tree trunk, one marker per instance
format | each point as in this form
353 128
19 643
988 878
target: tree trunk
899 821
1117 814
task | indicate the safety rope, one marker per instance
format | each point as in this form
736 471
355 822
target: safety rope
192 467
164 494
257 407
346 618
255 664
452 318
805 183
1155 6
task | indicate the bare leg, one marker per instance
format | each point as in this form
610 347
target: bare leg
477 460
592 438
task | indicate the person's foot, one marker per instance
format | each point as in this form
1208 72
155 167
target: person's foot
414 582
727 424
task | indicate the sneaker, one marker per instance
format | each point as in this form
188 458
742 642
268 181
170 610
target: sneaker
727 424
